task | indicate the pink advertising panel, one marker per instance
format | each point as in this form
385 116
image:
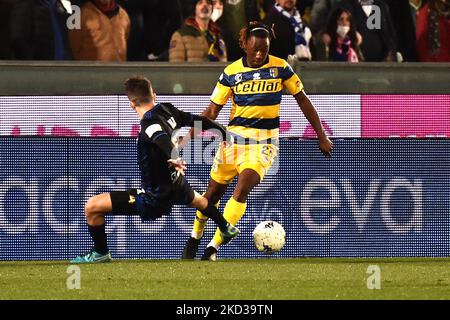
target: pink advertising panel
418 116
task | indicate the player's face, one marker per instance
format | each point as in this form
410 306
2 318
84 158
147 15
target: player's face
257 50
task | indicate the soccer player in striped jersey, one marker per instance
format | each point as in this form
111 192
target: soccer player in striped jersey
255 84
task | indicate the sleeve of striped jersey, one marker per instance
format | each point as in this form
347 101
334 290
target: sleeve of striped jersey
291 81
222 91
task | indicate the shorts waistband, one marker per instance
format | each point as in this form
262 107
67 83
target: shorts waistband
241 140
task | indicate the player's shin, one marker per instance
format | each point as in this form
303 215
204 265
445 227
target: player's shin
200 224
233 212
98 235
212 212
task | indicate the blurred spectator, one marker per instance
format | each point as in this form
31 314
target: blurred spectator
342 41
266 5
104 31
403 14
152 24
379 44
5 43
433 32
305 9
320 13
292 37
38 30
199 38
236 15
217 10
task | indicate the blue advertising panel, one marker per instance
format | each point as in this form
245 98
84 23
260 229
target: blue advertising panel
373 198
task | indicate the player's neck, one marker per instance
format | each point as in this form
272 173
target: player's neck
144 109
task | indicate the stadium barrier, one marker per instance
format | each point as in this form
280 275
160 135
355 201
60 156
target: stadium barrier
88 78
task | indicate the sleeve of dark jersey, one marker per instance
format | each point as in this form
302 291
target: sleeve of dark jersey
187 119
164 143
156 135
210 124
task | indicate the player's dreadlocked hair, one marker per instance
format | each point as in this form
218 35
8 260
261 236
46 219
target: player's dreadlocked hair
139 90
256 29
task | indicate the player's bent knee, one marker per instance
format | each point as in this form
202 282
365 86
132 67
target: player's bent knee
91 207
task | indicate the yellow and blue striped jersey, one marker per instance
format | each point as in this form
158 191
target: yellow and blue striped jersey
256 96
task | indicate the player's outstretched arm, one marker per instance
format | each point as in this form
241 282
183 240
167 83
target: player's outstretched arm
211 112
308 109
207 124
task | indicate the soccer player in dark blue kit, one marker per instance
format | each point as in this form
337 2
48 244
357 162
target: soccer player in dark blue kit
162 173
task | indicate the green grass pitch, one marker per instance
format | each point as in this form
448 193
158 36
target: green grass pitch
254 279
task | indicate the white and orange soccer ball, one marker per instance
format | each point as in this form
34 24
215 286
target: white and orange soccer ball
269 237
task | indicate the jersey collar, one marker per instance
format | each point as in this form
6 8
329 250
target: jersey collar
244 62
148 114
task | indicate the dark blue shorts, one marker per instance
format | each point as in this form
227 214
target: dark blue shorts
151 205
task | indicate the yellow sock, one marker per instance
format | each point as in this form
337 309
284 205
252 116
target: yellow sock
200 223
233 213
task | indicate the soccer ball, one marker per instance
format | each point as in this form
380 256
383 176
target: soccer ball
269 237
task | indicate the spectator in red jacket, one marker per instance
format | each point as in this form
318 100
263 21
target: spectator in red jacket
433 32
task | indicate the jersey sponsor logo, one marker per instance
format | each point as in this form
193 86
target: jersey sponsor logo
152 129
258 86
257 76
172 122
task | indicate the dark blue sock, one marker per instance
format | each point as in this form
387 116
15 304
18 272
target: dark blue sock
213 213
98 235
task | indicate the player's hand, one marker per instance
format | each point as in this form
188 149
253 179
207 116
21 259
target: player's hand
179 165
229 140
181 142
326 146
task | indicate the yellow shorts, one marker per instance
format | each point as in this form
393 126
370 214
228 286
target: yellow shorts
232 160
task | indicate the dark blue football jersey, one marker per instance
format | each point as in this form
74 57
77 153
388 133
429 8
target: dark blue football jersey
155 146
